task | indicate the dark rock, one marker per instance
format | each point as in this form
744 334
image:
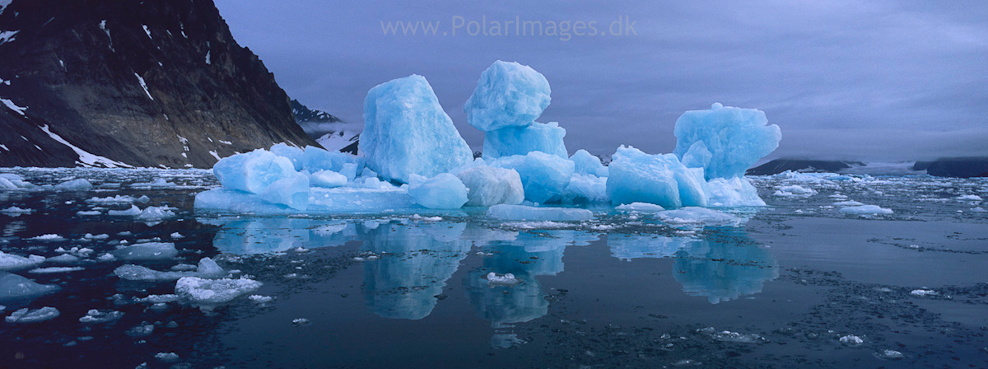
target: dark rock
799 165
77 65
313 122
959 167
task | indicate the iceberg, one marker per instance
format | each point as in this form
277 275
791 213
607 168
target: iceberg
543 176
507 94
327 179
214 291
407 132
207 269
444 191
74 185
315 159
725 141
737 191
291 191
488 186
520 212
586 163
253 171
293 154
585 188
656 179
514 140
14 262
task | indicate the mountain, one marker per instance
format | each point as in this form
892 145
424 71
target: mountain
801 165
956 167
132 83
331 132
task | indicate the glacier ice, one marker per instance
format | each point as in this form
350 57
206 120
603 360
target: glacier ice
585 188
252 171
507 94
315 159
586 163
293 154
444 191
733 139
13 286
520 212
656 179
147 251
696 215
737 191
640 207
214 291
407 132
80 184
327 179
543 176
521 140
291 191
488 186
26 315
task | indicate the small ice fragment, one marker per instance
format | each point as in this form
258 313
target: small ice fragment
26 315
641 207
300 321
177 235
851 340
147 251
48 237
506 279
143 330
214 291
51 270
889 355
922 292
260 299
101 316
865 210
167 357
134 210
13 286
728 336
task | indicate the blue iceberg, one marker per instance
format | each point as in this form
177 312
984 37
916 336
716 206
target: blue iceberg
655 179
507 94
544 137
725 141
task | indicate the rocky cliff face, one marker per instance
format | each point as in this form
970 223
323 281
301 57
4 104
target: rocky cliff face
141 83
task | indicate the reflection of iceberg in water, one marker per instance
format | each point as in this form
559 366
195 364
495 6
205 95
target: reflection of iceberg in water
722 268
265 235
529 255
421 257
724 271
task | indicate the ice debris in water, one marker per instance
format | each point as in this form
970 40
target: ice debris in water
101 316
851 340
15 262
13 286
507 94
214 291
152 213
640 207
48 237
167 357
407 132
132 211
728 336
505 279
143 330
51 270
300 321
207 269
26 315
794 191
444 191
147 251
74 185
865 210
725 141
695 215
921 292
488 186
16 211
260 299
889 355
520 212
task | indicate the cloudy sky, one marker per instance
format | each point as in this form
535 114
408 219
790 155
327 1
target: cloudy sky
844 79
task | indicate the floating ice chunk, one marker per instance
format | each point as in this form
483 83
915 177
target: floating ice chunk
207 269
80 184
865 210
114 200
101 316
252 171
696 215
586 188
407 132
160 183
519 212
851 340
728 336
214 291
969 198
147 251
889 355
176 235
13 286
444 191
490 186
505 279
640 207
923 292
735 139
291 191
327 179
586 163
260 299
293 154
794 191
88 213
48 237
158 299
848 203
736 191
507 141
26 315
133 211
153 213
656 179
52 270
167 357
16 211
543 176
978 209
301 321
507 94
14 262
143 330
63 259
